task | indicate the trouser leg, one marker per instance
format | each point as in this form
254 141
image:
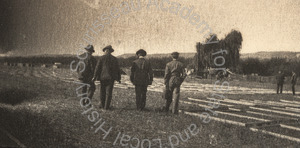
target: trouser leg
281 87
143 96
168 97
102 93
91 90
277 88
109 89
176 95
138 96
293 89
84 89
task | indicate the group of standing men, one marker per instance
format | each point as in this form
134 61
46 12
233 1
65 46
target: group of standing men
280 80
107 70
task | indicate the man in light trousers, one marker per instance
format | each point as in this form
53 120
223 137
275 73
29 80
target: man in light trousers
174 76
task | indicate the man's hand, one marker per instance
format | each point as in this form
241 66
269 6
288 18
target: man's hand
94 79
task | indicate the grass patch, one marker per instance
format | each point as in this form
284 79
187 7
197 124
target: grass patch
53 118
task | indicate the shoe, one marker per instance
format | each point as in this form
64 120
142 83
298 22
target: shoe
145 110
164 109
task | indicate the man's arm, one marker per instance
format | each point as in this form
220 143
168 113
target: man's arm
97 69
93 65
150 73
294 78
183 73
118 71
167 75
133 68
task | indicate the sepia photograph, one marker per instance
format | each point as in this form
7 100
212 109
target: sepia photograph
149 73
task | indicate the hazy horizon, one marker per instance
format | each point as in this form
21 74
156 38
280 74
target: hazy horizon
74 54
57 27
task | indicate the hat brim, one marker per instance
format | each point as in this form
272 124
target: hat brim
143 53
111 49
89 50
175 53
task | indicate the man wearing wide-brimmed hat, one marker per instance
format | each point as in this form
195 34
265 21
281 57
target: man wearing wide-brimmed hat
107 71
174 76
86 75
141 76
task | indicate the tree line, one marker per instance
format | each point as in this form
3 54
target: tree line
39 59
157 63
268 67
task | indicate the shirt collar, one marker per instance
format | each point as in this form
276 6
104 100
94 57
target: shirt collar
141 57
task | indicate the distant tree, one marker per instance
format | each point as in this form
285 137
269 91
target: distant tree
251 65
233 43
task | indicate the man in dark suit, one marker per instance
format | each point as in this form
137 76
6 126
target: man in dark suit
107 71
280 81
141 76
293 81
174 76
86 75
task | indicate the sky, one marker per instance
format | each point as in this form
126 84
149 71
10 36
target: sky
59 27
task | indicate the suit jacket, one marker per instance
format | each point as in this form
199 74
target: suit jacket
141 72
294 79
107 68
174 69
89 68
280 78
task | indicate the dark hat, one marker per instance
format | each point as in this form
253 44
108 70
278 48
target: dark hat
142 52
89 48
175 53
108 47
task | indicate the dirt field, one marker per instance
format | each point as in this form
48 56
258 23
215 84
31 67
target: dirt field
39 108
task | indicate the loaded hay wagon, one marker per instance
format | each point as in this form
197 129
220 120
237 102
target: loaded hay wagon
215 57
